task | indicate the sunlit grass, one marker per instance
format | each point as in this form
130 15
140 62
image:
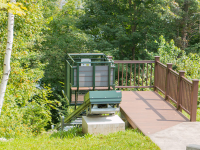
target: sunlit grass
188 116
75 139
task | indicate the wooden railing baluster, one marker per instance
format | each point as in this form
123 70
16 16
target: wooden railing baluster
147 75
122 73
135 75
142 74
118 74
130 74
151 76
139 75
126 73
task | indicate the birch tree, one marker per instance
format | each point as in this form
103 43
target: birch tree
61 3
6 64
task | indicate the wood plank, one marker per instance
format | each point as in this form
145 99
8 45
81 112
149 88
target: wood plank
133 61
80 99
149 112
90 88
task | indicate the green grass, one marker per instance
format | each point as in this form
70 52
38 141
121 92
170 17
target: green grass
74 139
198 114
188 116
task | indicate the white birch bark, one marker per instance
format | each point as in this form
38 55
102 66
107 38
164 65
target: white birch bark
6 64
61 3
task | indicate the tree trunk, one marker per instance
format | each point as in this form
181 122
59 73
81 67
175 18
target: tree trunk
133 24
6 64
185 21
133 52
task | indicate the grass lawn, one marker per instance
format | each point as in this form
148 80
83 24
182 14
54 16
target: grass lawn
197 117
198 114
74 139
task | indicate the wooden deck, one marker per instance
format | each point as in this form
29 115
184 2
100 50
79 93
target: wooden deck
80 99
149 112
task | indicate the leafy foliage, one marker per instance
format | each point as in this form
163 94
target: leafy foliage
14 8
23 113
169 53
62 37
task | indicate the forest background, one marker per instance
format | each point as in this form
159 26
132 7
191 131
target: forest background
124 29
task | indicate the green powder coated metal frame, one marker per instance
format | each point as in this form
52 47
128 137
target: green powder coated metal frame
72 65
75 113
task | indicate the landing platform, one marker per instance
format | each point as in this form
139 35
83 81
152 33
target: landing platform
149 112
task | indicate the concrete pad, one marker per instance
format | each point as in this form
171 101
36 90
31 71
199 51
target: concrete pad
178 136
102 125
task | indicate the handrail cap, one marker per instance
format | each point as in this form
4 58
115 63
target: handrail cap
195 80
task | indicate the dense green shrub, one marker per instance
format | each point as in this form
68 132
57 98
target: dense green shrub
169 53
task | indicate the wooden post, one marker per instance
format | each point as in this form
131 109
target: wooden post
179 90
194 97
109 57
157 58
169 66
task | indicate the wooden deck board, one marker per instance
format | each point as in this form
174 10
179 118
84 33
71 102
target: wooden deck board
149 112
80 99
90 88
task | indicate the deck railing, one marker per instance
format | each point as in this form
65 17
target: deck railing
139 74
176 88
134 73
172 84
160 77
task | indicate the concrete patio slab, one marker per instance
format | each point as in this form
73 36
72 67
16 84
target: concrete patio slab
178 136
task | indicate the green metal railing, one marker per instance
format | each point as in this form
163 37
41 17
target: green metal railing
72 72
67 81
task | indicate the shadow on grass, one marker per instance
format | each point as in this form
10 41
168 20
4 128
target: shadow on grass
77 132
71 133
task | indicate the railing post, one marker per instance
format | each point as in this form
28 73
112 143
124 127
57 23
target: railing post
93 77
194 97
62 123
109 73
169 66
179 90
157 58
109 57
77 84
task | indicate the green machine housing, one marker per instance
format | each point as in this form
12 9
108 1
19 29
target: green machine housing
87 72
102 102
103 97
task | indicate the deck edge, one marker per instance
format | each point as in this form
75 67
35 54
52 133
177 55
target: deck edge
131 122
